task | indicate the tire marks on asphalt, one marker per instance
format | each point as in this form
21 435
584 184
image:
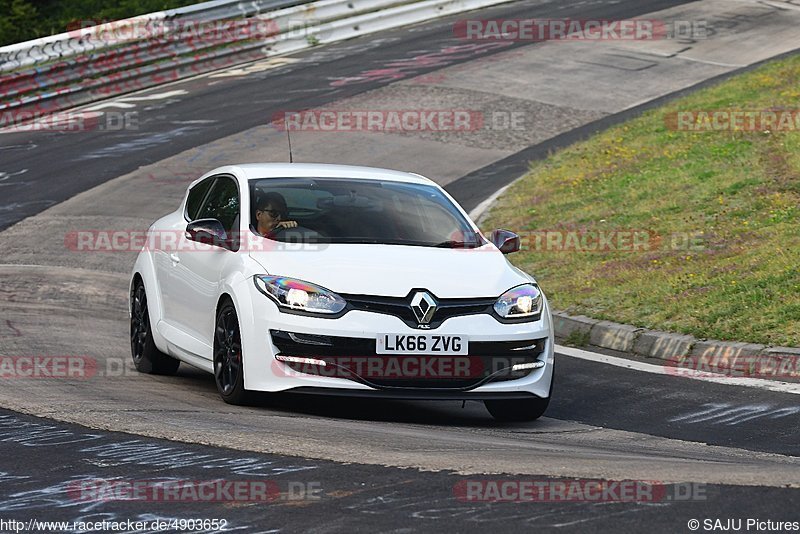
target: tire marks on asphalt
9 327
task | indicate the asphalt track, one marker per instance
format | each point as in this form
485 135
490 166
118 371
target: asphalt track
61 164
318 496
401 459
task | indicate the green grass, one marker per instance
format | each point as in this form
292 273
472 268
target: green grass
722 210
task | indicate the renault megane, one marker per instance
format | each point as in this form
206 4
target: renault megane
340 280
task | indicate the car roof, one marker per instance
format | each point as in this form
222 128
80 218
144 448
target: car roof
250 171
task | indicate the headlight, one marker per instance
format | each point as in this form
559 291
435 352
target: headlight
297 295
521 301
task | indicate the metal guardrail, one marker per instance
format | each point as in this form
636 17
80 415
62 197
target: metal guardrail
281 22
86 40
116 68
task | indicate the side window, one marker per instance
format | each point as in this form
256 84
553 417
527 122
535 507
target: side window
222 203
196 196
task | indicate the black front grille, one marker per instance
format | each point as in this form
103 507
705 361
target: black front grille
356 359
400 307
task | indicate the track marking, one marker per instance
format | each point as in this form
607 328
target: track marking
734 415
125 101
758 383
155 96
258 66
112 104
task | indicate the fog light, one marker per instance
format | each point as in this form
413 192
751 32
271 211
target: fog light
524 366
296 359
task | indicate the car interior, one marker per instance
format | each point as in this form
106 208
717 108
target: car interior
340 212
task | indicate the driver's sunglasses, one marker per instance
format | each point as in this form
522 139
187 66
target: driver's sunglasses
272 213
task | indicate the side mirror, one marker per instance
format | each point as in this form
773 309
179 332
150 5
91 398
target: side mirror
505 240
207 231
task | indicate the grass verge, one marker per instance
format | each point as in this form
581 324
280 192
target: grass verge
688 231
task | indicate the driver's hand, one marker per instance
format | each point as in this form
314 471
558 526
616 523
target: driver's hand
287 224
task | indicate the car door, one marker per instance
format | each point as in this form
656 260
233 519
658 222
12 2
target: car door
198 268
166 253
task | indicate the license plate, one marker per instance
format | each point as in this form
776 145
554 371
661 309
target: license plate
421 344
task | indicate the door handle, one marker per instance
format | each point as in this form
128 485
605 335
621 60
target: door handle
175 258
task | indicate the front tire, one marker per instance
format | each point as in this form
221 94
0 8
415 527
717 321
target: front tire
520 410
228 361
146 356
517 410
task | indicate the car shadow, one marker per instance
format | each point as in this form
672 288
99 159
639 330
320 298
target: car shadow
448 413
439 413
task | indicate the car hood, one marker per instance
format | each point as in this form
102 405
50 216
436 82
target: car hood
394 270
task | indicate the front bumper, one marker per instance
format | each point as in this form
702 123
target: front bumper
414 394
265 335
355 359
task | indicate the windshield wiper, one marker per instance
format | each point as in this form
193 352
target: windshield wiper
457 244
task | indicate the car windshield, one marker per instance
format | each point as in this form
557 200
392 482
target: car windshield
341 210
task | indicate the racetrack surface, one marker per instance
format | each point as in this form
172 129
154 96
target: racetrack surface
604 422
318 496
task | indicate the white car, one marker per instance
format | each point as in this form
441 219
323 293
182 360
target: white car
340 280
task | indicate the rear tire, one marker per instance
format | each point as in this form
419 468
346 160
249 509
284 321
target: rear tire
228 360
146 356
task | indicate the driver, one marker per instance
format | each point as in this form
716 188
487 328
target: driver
272 214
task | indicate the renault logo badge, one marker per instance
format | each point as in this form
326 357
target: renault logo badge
423 305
